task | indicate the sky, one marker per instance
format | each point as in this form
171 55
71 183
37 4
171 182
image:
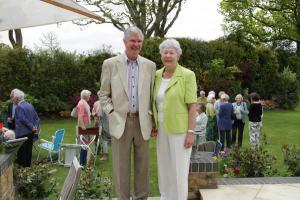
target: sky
198 19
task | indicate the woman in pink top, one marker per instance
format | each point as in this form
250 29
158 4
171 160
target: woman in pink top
84 119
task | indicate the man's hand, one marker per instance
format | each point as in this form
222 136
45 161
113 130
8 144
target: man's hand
34 129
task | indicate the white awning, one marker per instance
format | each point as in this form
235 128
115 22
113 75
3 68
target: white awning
16 14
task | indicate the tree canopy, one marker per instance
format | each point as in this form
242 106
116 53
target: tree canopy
263 20
153 17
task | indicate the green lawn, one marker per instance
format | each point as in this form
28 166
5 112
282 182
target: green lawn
281 127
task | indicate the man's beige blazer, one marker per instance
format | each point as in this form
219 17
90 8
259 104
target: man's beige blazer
114 94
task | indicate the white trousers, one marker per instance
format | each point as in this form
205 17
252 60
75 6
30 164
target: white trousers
173 161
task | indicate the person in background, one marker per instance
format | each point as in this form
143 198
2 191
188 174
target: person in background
211 128
101 121
174 111
201 122
84 120
240 112
11 112
255 116
126 90
27 123
225 122
202 98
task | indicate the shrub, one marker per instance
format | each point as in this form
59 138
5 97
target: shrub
93 185
248 162
34 182
291 157
287 93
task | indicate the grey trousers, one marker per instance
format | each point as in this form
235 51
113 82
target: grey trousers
121 153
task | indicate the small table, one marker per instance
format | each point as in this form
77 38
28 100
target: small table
71 151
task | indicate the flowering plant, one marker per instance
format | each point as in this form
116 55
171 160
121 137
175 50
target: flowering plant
228 166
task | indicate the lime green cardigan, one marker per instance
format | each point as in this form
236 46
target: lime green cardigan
181 90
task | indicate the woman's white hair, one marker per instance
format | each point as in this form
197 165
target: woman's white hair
170 43
84 94
210 97
239 96
9 134
212 93
19 94
133 29
224 97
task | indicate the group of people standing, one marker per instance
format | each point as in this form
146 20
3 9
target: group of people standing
225 121
84 121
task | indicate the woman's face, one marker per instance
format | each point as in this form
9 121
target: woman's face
87 98
169 57
238 99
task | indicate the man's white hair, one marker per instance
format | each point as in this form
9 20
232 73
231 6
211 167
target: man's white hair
133 29
19 94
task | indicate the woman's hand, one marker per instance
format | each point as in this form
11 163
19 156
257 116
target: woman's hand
189 140
154 132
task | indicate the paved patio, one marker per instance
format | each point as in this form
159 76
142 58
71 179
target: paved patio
273 188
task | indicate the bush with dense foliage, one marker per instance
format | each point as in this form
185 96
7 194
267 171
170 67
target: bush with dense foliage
94 185
34 182
291 157
247 162
51 77
287 92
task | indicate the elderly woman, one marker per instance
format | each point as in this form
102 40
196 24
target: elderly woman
225 123
84 119
240 111
202 98
174 110
211 128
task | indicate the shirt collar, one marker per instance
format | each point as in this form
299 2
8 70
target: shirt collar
127 61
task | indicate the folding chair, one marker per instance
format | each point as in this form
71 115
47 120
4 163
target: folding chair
53 147
86 142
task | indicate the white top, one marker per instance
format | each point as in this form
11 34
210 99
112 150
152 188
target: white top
160 98
238 113
201 122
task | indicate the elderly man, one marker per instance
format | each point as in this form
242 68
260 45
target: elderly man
26 124
125 95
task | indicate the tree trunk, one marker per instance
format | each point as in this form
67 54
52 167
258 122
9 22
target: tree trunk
16 42
298 48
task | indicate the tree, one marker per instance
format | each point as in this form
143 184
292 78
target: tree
263 20
49 41
153 17
18 40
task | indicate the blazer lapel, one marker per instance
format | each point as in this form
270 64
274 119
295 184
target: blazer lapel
177 74
122 71
157 82
142 71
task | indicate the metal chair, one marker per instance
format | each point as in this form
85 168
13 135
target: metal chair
54 146
86 139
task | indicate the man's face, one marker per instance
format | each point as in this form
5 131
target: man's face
133 45
11 95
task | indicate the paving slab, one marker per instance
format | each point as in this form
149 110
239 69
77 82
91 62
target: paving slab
253 192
